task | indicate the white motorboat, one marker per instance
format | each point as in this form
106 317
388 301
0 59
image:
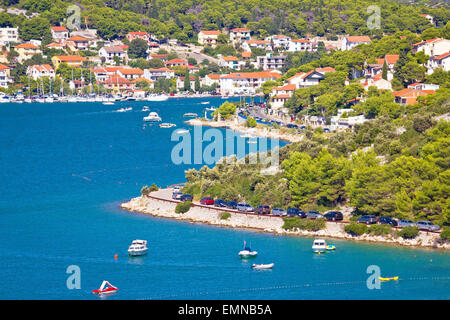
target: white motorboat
190 114
153 117
145 108
319 245
27 100
210 109
247 252
263 266
72 99
167 125
182 131
107 103
138 248
40 100
48 100
157 97
204 102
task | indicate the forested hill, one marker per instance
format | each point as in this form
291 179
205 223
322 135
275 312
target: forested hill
182 19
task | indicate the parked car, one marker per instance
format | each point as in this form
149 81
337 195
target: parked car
207 200
388 220
333 216
279 212
177 188
427 225
314 215
232 204
290 125
326 130
295 212
262 210
369 219
245 207
176 195
186 197
220 203
406 223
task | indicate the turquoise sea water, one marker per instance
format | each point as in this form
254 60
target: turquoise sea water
65 168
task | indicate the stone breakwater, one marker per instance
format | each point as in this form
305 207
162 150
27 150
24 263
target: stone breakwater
163 207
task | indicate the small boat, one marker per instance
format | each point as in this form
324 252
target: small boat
247 252
105 288
145 108
138 248
157 97
388 279
319 245
263 266
182 131
331 247
204 102
167 125
190 114
121 110
153 116
107 103
210 109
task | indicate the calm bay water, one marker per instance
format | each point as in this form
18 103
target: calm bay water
65 168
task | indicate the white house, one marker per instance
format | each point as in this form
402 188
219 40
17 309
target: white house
39 71
5 78
296 45
59 34
350 42
279 41
338 123
9 35
433 47
245 82
441 61
239 34
311 78
155 74
269 61
231 62
208 37
259 44
108 53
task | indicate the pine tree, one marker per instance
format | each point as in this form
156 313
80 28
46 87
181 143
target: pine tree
187 81
385 70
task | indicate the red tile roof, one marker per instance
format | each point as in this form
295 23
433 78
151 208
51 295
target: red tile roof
210 32
391 58
27 46
358 39
59 29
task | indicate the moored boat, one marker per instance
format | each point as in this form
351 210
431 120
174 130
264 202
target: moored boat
190 114
138 248
153 117
157 97
247 252
388 279
105 288
319 245
263 266
167 125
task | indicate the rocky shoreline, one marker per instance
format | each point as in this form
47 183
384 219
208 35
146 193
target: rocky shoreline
234 125
166 208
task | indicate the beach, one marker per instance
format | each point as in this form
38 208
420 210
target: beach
160 204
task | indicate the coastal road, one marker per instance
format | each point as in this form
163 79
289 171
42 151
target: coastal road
190 51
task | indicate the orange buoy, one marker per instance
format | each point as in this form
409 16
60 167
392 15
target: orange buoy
115 256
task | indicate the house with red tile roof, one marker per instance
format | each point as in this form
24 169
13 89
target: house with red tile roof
432 47
244 82
138 35
281 94
130 73
5 77
308 79
409 96
157 73
59 34
72 61
75 43
208 37
442 61
26 51
38 71
108 53
301 45
117 83
239 35
176 63
231 62
350 42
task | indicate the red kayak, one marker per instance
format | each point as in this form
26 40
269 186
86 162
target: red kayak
105 288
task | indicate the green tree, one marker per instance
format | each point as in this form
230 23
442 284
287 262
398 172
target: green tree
138 48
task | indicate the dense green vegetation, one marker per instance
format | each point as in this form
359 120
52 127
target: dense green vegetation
183 207
183 19
303 224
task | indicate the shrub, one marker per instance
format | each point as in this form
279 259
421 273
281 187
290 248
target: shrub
408 232
225 215
146 189
355 229
379 229
250 122
183 207
153 187
445 234
303 224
